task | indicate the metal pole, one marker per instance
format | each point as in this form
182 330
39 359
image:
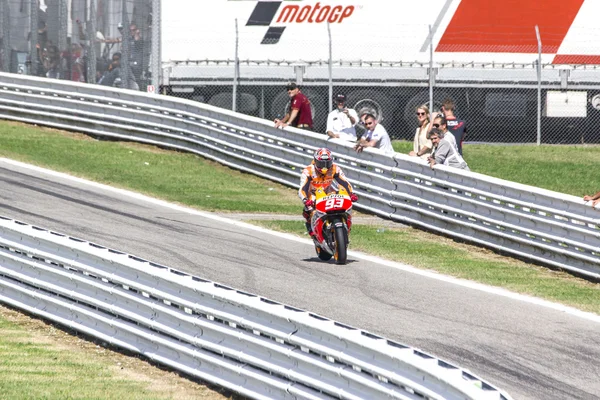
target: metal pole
6 35
91 59
33 37
262 102
236 72
156 38
126 47
539 88
2 32
430 72
330 102
63 25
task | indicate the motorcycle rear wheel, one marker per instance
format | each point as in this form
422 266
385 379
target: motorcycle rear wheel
341 245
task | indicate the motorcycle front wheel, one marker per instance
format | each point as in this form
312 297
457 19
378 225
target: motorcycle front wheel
341 245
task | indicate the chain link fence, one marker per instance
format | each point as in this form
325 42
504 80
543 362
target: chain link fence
95 41
115 43
498 100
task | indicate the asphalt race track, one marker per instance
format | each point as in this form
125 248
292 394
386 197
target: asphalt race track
531 351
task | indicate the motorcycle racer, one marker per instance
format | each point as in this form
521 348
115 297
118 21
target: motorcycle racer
324 173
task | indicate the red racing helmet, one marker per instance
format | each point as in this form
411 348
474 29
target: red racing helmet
323 160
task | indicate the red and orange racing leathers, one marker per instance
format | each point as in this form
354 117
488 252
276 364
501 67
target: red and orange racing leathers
311 179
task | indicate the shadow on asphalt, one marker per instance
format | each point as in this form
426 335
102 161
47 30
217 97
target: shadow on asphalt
330 262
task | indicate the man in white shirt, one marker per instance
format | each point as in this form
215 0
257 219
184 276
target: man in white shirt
341 122
374 136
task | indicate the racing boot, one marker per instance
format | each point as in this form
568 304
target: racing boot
309 230
306 215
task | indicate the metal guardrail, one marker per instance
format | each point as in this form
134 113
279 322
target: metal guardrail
243 342
547 227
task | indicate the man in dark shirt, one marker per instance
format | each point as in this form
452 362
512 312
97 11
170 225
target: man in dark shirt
300 114
455 126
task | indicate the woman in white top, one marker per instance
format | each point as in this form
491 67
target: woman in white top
421 145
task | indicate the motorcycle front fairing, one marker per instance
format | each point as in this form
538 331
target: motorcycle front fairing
331 211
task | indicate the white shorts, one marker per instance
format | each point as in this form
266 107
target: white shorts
347 136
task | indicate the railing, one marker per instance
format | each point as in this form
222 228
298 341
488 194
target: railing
546 227
243 342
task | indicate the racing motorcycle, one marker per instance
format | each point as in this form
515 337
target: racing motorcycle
331 222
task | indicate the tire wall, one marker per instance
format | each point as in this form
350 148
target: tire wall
492 115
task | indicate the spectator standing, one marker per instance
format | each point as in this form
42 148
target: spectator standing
42 34
138 58
421 144
456 126
77 63
341 122
38 65
136 51
444 152
300 114
51 62
375 136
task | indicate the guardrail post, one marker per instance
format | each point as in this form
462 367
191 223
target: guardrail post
539 86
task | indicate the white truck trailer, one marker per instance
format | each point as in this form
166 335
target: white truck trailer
482 54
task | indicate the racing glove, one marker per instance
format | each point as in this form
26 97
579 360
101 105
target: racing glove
309 203
354 197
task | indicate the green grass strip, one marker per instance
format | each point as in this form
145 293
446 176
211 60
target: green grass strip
30 370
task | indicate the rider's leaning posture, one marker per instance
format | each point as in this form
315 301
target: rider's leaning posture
321 173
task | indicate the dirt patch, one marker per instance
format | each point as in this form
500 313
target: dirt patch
162 381
75 135
146 147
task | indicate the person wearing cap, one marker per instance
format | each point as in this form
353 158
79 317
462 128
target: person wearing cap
341 122
299 114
